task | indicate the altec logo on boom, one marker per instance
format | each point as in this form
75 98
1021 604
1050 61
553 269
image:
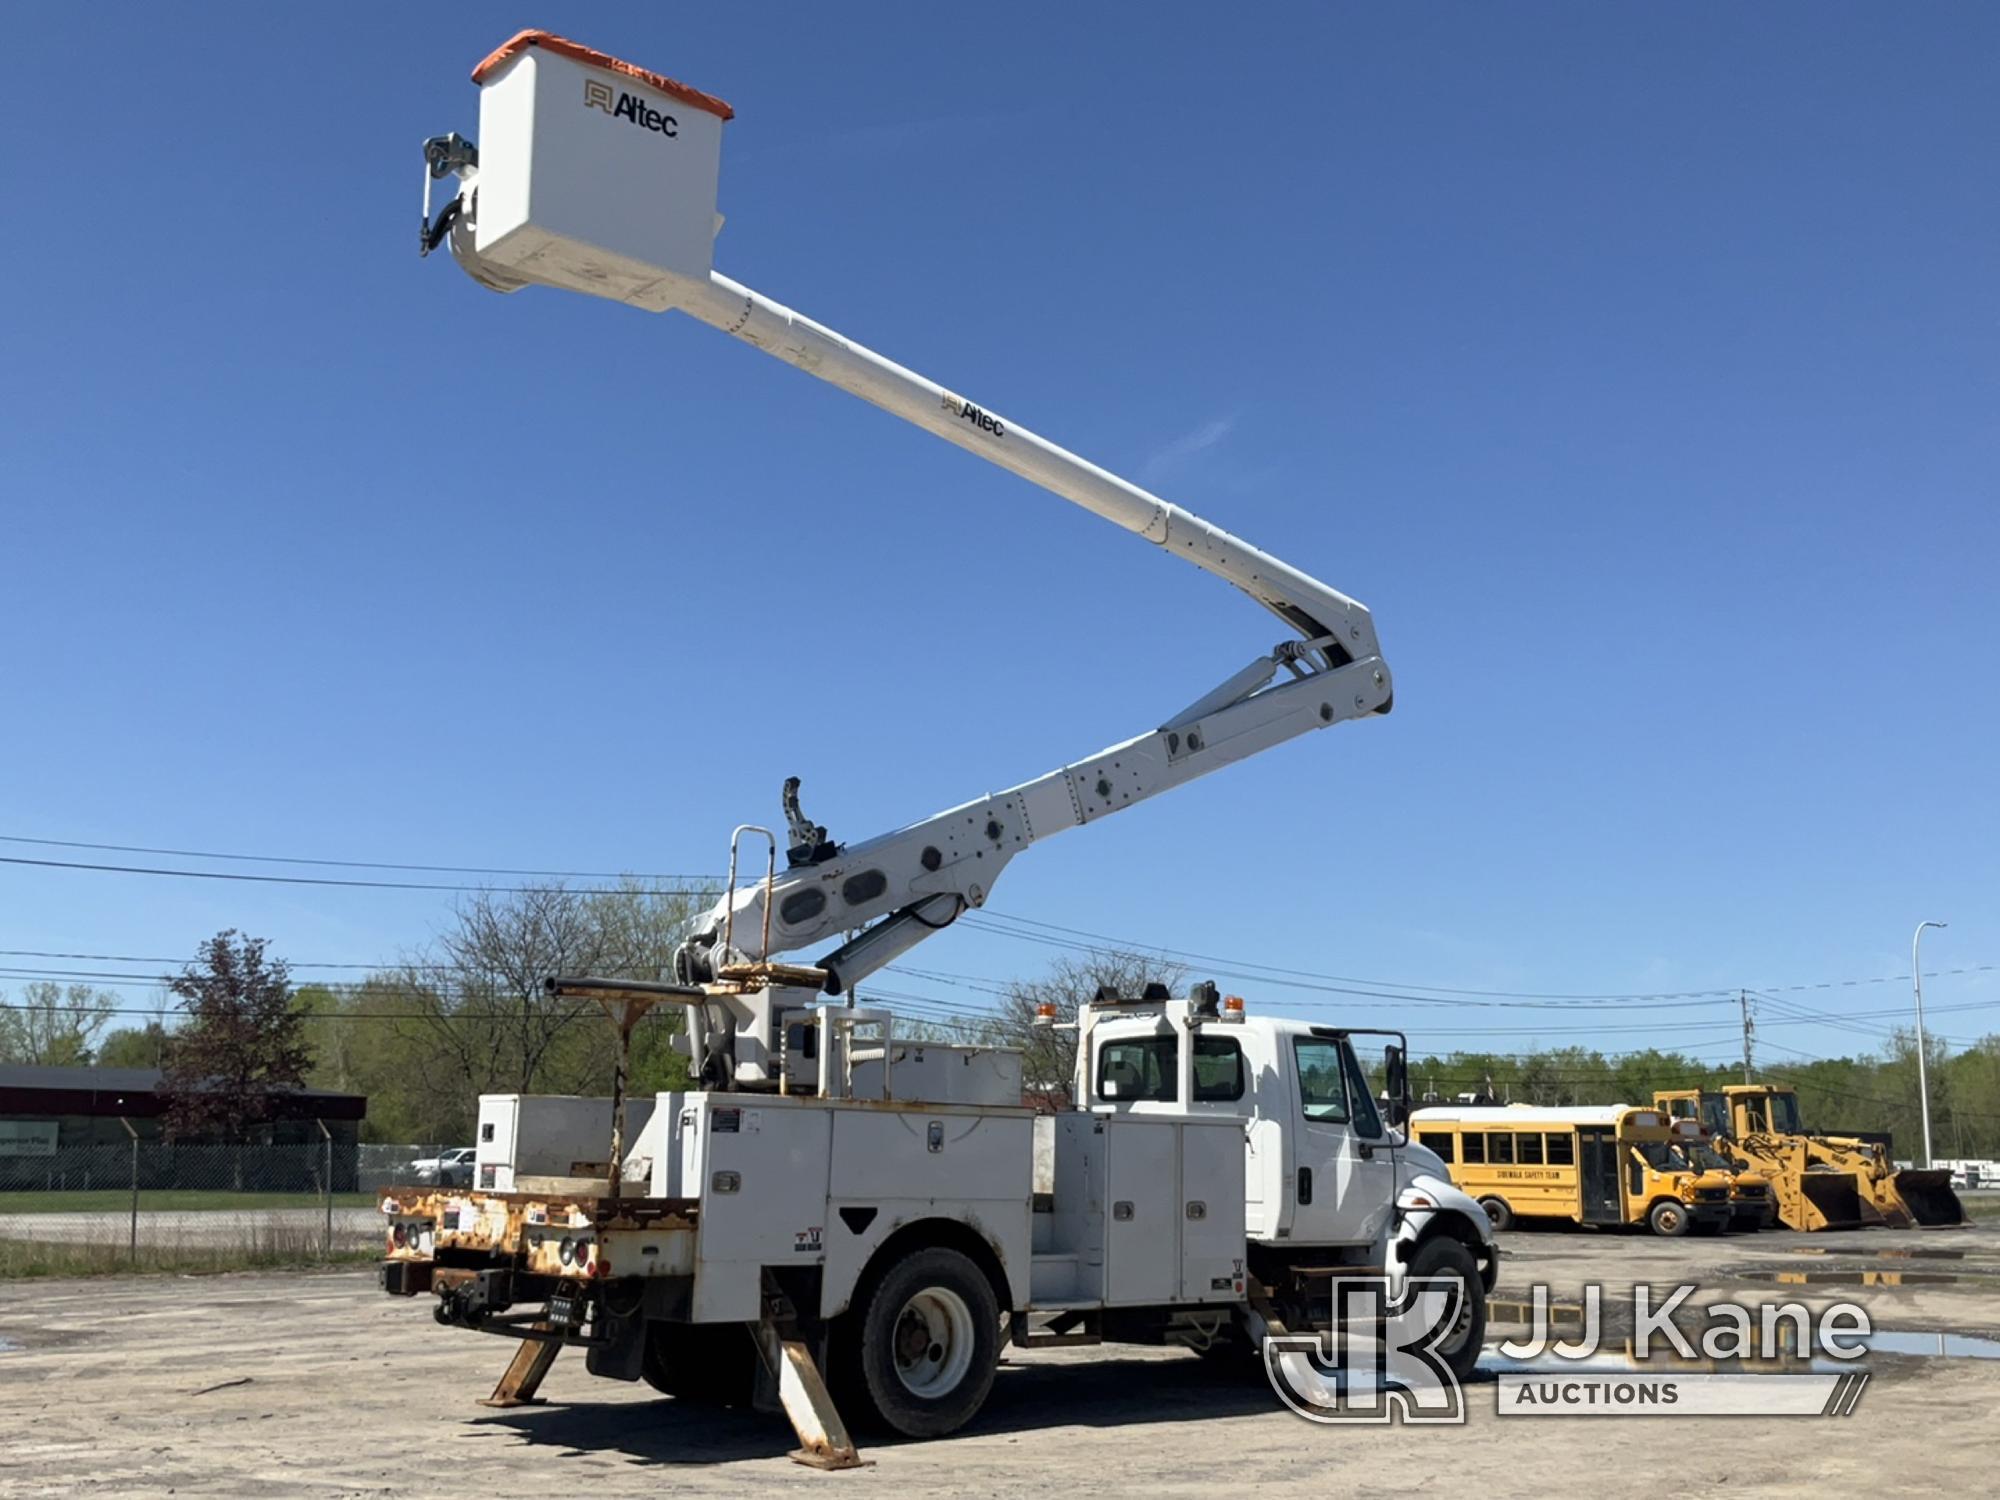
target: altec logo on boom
598 95
985 421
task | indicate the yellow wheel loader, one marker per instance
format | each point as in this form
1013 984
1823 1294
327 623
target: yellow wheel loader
1819 1181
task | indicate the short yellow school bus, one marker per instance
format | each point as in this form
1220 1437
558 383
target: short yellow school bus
1604 1164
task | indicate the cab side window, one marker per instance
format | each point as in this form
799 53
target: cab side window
1144 1069
1500 1147
1529 1148
1218 1069
1438 1141
1322 1084
1561 1150
1475 1147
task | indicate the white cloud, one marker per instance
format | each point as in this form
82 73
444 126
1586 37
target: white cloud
1176 455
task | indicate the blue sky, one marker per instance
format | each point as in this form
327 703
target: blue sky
1636 367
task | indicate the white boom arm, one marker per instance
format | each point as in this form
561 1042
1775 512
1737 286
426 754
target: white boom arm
899 887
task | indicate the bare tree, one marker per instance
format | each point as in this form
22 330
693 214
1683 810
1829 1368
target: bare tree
1049 1056
55 1025
477 993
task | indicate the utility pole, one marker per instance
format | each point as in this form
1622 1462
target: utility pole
1923 1075
1749 1030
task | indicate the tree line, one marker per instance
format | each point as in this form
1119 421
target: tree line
465 1015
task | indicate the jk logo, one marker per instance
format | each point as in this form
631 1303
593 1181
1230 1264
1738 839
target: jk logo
1378 1356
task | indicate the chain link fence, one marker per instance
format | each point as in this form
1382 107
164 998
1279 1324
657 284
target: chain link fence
162 1205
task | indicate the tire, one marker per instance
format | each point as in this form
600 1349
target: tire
923 1343
1498 1214
1441 1255
708 1364
1670 1219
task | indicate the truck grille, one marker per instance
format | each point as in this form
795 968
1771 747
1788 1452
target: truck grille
1752 1192
1710 1195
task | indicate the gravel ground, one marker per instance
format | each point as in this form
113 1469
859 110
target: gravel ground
316 1383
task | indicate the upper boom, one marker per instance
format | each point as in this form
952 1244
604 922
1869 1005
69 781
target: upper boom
599 177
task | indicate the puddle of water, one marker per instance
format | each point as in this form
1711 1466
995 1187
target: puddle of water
1613 1361
1864 1278
1921 1254
1907 1342
1935 1345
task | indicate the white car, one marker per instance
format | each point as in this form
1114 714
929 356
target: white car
451 1169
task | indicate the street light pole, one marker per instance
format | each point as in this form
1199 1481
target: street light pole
1923 1076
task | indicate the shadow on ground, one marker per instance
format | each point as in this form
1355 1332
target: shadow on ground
1097 1393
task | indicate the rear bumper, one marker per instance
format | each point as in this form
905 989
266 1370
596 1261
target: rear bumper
404 1278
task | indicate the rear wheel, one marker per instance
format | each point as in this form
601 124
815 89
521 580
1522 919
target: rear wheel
1669 1219
1443 1256
711 1363
1498 1214
925 1343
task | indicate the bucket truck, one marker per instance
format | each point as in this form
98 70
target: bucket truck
860 1202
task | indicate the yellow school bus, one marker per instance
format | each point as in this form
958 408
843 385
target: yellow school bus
1604 1164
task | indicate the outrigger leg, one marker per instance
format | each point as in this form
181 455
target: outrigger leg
525 1372
808 1405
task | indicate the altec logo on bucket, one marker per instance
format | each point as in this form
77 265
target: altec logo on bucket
600 95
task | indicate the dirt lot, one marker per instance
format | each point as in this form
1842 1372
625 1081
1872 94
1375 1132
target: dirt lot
317 1383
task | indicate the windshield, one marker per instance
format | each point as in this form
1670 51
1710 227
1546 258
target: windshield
1662 1156
1785 1114
1709 1160
1366 1120
1715 1114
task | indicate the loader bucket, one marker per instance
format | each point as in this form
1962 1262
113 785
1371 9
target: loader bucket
1930 1197
1828 1200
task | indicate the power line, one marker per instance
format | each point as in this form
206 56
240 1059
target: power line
1103 943
348 864
379 885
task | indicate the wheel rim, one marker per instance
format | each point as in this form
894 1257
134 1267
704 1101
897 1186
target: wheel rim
1461 1326
933 1342
1494 1210
1670 1219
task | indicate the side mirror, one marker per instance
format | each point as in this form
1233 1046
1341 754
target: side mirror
1396 1079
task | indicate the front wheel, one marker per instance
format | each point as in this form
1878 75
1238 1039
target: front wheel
1669 1219
927 1343
1444 1256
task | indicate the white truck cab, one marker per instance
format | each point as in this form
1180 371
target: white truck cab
1324 1172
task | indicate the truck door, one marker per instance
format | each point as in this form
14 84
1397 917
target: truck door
1344 1178
1597 1167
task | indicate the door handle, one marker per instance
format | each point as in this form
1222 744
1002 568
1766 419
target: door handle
1305 1184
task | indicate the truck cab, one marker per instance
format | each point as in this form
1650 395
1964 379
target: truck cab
1329 1181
